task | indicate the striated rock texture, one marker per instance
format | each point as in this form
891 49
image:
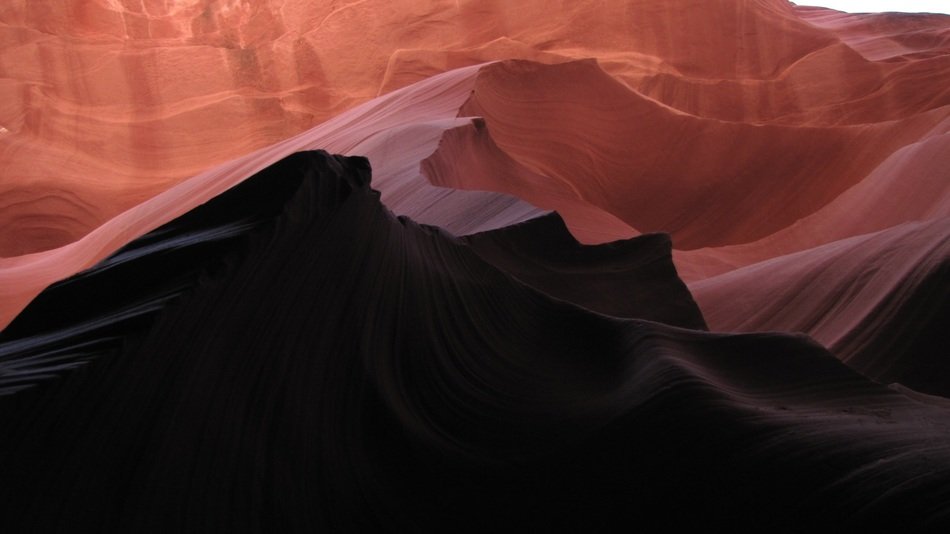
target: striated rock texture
104 103
252 371
547 311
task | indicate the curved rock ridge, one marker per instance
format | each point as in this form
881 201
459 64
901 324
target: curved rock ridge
551 142
879 301
427 389
230 316
105 103
634 278
396 131
428 151
894 37
467 158
79 316
910 185
621 152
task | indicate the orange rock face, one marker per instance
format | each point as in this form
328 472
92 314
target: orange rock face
750 131
106 103
211 314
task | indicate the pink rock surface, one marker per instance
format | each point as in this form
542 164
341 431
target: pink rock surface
299 315
756 133
106 103
396 131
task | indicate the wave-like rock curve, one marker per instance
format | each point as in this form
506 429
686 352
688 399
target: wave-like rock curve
367 372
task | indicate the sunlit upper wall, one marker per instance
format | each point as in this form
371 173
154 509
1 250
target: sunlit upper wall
870 6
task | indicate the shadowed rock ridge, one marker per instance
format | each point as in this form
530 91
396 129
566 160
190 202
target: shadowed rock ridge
292 357
632 278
